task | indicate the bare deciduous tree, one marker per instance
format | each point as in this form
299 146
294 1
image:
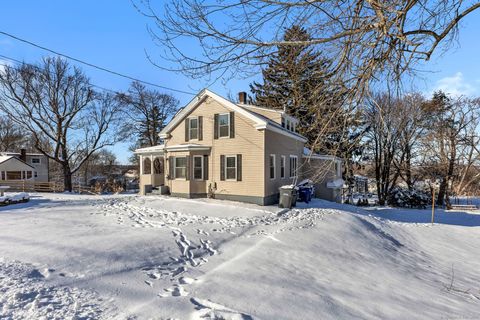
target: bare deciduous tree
56 104
364 40
11 135
383 117
448 143
148 112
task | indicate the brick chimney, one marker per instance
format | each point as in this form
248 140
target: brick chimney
242 97
23 155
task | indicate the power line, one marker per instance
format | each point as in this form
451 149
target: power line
93 65
36 67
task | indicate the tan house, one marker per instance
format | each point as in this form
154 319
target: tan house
214 147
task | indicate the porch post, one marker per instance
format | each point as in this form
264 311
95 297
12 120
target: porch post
151 164
141 164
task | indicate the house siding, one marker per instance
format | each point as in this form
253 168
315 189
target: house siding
280 145
321 172
248 142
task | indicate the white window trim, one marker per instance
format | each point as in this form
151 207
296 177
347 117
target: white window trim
190 128
274 167
296 167
175 168
284 162
229 122
201 162
39 160
236 165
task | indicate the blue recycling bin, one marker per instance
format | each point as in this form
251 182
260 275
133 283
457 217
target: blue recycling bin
305 193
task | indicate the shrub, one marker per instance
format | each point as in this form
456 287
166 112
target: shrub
402 197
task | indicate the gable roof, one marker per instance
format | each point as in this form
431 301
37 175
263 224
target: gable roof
4 159
260 122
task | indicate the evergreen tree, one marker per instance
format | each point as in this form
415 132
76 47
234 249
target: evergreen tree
297 80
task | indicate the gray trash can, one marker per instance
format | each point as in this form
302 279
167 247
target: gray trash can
288 197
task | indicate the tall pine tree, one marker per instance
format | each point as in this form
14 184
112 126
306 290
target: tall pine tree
297 80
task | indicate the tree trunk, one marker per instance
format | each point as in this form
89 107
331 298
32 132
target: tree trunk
67 178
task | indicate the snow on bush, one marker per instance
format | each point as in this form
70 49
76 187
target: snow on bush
405 198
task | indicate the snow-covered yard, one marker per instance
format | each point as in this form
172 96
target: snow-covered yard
131 257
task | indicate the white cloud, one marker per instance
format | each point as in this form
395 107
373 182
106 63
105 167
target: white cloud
457 85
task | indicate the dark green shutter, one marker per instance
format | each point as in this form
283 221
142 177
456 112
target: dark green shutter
239 167
187 168
186 129
215 126
232 124
205 167
222 168
171 171
200 128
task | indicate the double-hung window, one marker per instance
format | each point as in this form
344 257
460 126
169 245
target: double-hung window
272 166
198 167
282 167
231 167
35 160
180 167
193 128
224 125
293 166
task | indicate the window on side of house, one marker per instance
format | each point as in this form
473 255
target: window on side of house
224 125
193 128
35 174
272 166
282 167
198 167
293 166
231 167
180 167
35 161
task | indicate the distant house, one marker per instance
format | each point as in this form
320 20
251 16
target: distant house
24 166
214 147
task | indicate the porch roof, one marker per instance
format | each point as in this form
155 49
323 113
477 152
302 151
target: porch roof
188 147
151 150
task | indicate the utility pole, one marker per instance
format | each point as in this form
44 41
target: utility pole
433 204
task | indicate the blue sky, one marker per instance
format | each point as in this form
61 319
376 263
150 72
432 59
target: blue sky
113 34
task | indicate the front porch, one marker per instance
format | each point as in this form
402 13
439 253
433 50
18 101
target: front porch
152 168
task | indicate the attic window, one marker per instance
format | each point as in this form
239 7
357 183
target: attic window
193 128
35 160
224 125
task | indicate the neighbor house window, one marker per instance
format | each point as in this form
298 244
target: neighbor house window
35 160
224 125
36 174
272 166
14 175
282 167
180 167
231 167
193 128
293 166
29 174
198 167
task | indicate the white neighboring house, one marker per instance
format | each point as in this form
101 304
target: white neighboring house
24 166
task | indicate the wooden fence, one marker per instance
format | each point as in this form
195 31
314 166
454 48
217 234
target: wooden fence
32 186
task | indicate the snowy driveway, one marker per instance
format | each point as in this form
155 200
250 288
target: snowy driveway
89 257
